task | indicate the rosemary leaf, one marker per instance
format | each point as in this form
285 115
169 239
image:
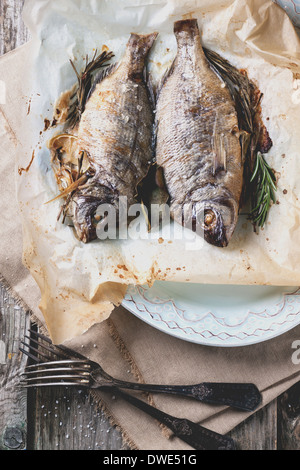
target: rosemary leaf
264 188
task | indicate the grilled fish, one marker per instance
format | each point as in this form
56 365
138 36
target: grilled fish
115 132
197 142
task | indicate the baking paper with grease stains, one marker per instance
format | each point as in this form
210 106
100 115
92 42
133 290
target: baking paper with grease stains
80 284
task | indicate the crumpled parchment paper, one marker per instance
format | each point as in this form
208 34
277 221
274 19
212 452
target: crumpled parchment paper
81 284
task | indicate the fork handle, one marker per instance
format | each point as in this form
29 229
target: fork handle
192 433
242 396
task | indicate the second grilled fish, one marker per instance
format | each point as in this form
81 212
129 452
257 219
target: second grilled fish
198 145
115 132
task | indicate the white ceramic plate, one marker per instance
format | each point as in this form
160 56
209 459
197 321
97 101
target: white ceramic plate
292 8
227 316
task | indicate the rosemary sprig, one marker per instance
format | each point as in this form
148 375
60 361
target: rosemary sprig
264 183
239 86
85 82
260 184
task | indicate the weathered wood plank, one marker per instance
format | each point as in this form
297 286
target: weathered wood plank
289 419
13 32
14 321
66 419
259 432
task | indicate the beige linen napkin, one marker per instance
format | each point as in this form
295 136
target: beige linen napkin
125 346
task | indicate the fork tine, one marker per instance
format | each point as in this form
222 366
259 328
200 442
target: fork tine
32 348
62 378
75 378
66 370
62 349
43 346
55 349
51 384
39 335
31 356
48 365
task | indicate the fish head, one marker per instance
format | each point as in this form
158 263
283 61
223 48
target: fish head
90 208
85 208
219 222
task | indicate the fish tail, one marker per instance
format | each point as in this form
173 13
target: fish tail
141 44
188 37
188 26
138 48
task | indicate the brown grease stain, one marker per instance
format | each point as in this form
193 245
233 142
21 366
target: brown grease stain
47 124
26 170
29 106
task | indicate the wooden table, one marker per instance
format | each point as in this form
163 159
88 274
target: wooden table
67 419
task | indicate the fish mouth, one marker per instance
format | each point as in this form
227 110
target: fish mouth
214 229
90 207
84 219
214 224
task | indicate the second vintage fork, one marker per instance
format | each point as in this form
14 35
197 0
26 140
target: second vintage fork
241 396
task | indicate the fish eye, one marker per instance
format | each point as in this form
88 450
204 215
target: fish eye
209 218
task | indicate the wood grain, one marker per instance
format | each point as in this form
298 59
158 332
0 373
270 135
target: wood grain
289 419
66 419
13 32
14 321
259 432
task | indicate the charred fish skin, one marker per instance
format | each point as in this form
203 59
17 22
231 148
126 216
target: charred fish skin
197 141
115 132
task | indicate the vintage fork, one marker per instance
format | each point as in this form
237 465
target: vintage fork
77 371
241 396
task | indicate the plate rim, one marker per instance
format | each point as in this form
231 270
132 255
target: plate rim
176 332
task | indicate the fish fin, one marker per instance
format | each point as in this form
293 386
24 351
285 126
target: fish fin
219 150
157 89
150 87
101 75
245 141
